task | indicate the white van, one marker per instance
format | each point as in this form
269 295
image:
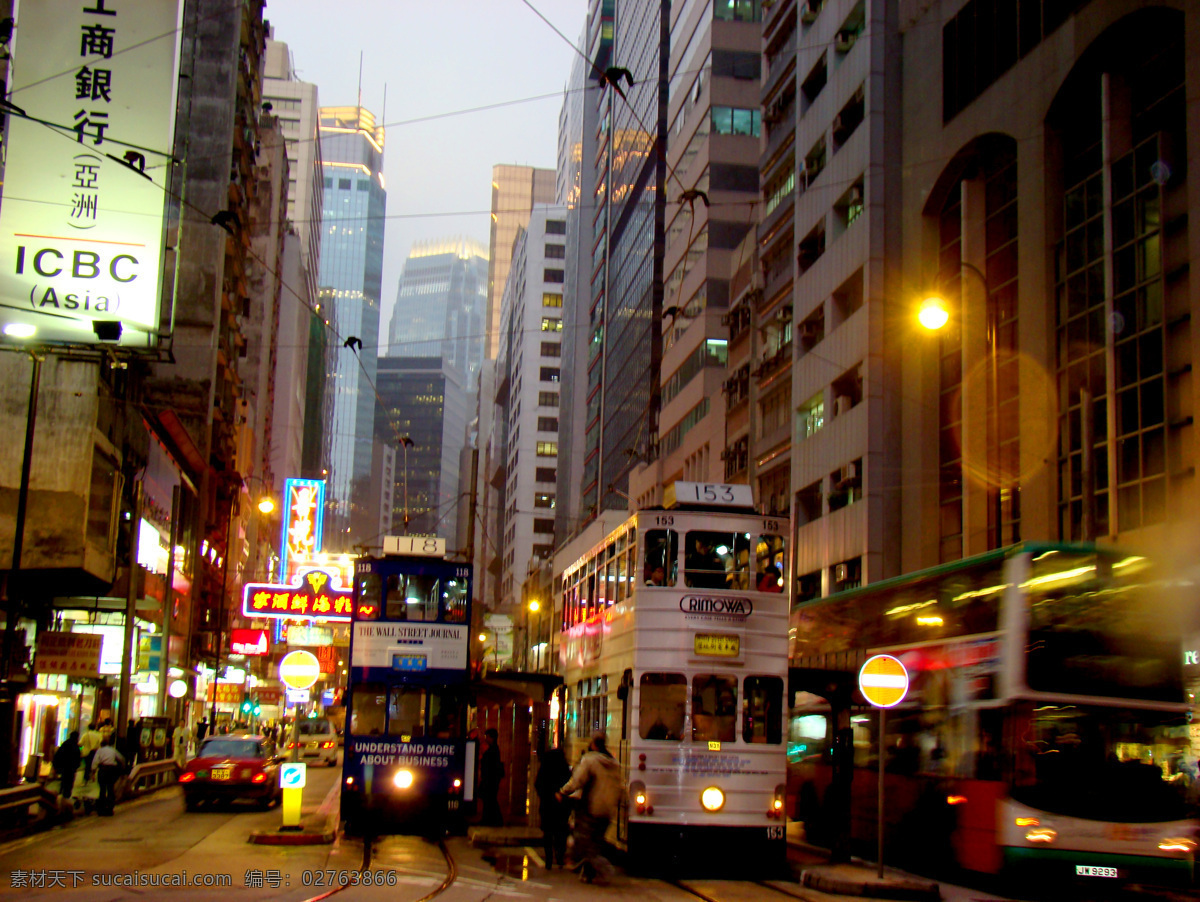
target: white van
318 739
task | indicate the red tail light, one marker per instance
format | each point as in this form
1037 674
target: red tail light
187 777
328 745
291 745
259 778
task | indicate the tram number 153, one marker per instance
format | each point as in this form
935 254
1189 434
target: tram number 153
775 831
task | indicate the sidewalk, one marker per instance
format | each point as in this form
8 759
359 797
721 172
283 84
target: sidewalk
858 878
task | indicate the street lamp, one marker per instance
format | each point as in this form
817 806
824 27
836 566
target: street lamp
933 315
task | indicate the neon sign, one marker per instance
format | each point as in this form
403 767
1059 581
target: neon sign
317 594
304 506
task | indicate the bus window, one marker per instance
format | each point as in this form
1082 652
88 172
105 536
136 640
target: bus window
662 556
662 700
714 708
370 596
454 601
771 562
368 706
406 713
762 702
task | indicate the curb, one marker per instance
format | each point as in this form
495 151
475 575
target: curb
504 836
293 839
326 814
908 890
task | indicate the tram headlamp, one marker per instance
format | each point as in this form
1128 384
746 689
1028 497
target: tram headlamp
403 779
712 799
458 784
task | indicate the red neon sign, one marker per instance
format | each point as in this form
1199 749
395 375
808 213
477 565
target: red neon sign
249 642
316 594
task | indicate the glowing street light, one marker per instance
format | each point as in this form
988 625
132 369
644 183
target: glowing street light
933 314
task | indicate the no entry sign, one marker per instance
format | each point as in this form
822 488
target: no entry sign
883 681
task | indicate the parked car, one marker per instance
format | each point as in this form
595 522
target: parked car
318 739
227 768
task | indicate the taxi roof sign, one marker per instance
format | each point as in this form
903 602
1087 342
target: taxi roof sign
883 681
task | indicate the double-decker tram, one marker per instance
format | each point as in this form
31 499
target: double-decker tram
406 766
1046 729
674 645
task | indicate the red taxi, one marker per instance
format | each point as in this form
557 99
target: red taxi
228 768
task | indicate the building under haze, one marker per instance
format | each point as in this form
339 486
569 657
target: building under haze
351 277
515 189
441 303
423 400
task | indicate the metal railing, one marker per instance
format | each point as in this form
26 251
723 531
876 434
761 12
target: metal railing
149 776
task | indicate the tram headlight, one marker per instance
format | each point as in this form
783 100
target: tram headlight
403 779
712 799
777 802
1043 835
638 797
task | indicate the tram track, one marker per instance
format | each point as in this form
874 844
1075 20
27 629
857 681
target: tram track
368 843
737 890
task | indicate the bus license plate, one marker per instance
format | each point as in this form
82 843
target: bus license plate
1087 870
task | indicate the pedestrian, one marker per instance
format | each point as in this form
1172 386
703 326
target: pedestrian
106 728
131 747
598 777
87 747
179 741
553 809
66 762
201 731
110 764
491 772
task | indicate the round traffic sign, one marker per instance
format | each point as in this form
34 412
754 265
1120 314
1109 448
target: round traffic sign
883 681
299 669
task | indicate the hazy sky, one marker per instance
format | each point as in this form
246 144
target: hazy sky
436 58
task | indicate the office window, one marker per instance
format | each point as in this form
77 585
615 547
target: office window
547 424
543 499
549 374
556 227
548 399
551 349
553 275
547 449
550 299
363 185
343 184
551 324
556 252
543 525
546 474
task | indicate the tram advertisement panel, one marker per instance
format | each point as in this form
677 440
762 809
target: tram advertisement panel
410 647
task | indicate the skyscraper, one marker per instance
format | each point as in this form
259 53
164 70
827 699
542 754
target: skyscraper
515 189
440 304
352 274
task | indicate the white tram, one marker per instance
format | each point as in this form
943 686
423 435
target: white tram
675 645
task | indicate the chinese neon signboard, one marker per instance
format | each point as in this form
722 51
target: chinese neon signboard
304 516
316 594
81 240
249 642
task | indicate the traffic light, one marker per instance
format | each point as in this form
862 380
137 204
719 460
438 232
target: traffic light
257 708
246 706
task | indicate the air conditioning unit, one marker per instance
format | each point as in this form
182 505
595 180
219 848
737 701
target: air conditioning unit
841 573
841 405
845 40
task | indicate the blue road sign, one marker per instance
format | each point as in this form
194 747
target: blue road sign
292 775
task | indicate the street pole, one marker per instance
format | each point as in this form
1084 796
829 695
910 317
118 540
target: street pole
164 664
406 442
993 328
221 615
8 697
129 657
879 822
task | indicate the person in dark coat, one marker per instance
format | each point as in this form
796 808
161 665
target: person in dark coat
66 763
201 731
110 764
491 772
552 774
131 745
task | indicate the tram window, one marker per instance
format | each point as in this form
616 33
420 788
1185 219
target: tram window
717 560
395 608
714 708
622 584
771 561
762 704
442 715
406 713
368 710
662 700
662 557
454 600
412 598
370 596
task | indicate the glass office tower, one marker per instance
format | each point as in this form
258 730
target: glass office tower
352 274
